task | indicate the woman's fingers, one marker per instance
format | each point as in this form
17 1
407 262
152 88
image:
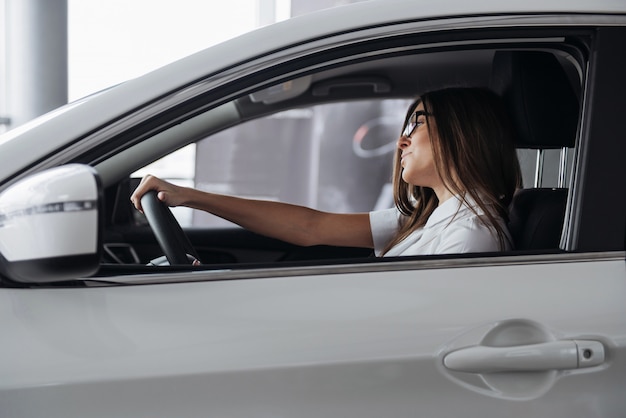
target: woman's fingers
166 192
146 184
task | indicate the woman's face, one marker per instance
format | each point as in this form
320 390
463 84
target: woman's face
418 165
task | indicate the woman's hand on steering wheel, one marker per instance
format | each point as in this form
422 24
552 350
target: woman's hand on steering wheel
152 197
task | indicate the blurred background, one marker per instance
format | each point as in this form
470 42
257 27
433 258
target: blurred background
55 51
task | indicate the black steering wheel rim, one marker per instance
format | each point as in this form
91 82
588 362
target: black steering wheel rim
168 232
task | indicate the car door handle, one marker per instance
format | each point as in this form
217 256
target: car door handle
553 355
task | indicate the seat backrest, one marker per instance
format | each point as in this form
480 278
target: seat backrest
544 108
536 217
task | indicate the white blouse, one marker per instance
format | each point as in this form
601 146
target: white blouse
452 228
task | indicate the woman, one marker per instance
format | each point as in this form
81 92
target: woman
455 174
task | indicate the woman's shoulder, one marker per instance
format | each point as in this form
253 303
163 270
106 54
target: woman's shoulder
468 233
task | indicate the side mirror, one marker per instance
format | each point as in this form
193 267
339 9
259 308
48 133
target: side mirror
51 225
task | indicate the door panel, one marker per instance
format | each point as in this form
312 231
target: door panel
359 344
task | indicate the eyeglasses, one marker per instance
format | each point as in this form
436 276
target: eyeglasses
412 123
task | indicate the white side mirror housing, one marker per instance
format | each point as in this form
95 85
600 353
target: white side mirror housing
51 225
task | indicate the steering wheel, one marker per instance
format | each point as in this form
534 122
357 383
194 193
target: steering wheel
168 232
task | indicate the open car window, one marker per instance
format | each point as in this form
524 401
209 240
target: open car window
329 142
340 162
332 157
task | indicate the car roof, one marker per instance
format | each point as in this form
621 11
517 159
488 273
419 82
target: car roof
52 133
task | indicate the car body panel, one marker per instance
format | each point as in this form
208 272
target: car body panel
285 346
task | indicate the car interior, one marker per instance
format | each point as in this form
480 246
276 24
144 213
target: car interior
540 80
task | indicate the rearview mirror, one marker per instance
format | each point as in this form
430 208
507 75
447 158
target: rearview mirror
51 225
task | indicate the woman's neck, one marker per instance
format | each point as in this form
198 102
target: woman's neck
443 194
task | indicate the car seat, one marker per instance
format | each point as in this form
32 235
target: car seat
544 109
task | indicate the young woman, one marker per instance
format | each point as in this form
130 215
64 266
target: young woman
455 173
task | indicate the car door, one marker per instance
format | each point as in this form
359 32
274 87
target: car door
519 334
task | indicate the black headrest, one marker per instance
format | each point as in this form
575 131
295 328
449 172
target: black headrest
543 105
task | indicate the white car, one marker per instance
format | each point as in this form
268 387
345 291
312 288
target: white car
94 324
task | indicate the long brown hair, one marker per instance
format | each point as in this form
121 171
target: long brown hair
474 154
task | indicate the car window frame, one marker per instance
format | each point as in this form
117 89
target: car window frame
538 256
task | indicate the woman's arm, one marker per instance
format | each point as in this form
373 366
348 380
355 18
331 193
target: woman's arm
291 223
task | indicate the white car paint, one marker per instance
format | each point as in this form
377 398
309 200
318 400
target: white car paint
289 347
43 200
